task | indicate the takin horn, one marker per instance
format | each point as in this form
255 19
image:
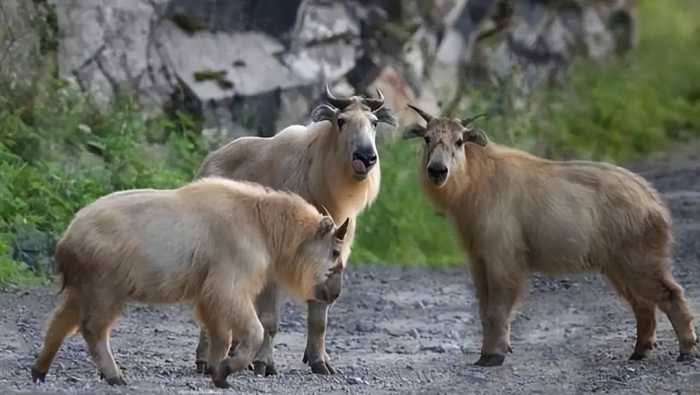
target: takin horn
338 102
374 104
422 113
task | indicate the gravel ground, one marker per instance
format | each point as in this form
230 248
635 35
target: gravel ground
400 330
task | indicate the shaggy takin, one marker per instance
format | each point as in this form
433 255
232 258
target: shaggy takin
516 213
212 243
333 164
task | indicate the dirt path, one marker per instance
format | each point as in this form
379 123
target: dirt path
401 330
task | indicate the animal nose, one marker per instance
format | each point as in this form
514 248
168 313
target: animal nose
437 170
368 157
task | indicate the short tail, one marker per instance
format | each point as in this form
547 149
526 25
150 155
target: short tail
64 258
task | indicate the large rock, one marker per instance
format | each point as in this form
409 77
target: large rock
255 66
25 36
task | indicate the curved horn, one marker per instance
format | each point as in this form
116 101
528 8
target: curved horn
374 104
422 113
338 102
468 121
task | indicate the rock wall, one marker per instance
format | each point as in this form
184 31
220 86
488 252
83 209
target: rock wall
254 66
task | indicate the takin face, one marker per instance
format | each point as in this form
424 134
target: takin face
355 120
322 255
444 143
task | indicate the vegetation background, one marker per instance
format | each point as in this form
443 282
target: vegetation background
58 152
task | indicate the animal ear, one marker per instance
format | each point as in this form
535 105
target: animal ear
476 136
325 227
414 131
324 112
385 115
343 230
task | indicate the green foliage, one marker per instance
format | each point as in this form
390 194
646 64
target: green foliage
58 153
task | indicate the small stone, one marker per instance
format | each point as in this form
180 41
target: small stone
355 380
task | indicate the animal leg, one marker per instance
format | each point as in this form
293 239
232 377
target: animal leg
97 317
64 321
250 332
645 314
644 311
201 354
267 306
502 293
671 301
315 354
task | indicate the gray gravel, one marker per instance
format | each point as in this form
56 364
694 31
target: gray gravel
400 330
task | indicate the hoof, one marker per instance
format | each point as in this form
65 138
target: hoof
261 368
638 356
685 357
221 383
490 360
321 367
116 381
202 367
219 378
38 376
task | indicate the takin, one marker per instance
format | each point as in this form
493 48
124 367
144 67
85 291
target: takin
333 164
516 213
212 243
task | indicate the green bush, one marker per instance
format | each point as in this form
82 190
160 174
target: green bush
58 153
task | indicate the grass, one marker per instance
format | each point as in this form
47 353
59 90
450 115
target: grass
58 152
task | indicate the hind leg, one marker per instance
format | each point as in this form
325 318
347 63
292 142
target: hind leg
644 311
64 321
645 314
671 301
97 316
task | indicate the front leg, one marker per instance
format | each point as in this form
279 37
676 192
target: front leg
267 306
315 354
498 290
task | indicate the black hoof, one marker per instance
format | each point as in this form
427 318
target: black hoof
320 367
261 368
202 367
219 378
221 383
116 381
490 360
38 376
685 357
637 356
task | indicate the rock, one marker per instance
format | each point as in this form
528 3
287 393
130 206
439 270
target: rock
26 36
34 248
355 380
254 67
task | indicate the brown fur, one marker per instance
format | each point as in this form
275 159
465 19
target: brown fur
517 213
212 243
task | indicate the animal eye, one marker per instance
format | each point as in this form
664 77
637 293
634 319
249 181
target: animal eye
427 139
374 123
341 122
460 142
336 254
